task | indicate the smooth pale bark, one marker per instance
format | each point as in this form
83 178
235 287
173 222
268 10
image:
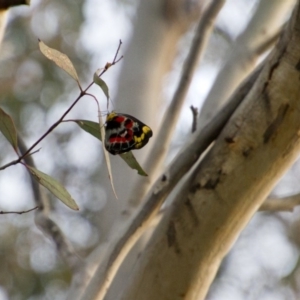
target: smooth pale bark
256 147
120 244
148 57
159 150
244 54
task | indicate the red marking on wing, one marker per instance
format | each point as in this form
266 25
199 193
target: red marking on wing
119 119
117 139
129 123
128 134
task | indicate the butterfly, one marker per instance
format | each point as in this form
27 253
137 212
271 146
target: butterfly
124 133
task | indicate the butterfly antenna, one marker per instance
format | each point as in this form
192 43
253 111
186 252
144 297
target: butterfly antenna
112 105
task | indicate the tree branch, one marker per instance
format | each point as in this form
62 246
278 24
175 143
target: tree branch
123 240
281 204
159 149
244 53
250 155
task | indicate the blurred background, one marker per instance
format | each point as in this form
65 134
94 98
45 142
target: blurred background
264 263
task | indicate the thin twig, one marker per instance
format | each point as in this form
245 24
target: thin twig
81 94
18 212
195 117
48 226
117 52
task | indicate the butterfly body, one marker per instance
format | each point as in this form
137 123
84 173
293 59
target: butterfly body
124 133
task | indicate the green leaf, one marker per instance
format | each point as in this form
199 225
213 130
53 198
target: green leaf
102 85
54 187
7 127
90 127
131 161
93 129
60 59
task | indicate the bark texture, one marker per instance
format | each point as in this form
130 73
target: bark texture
254 150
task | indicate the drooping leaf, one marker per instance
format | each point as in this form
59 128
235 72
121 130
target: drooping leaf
7 127
100 82
131 161
106 155
54 187
93 129
60 59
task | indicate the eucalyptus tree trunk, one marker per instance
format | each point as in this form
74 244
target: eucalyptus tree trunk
226 188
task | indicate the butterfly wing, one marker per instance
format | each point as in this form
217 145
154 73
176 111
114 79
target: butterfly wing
125 133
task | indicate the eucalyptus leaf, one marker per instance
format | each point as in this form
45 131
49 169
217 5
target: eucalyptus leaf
60 59
54 187
7 127
102 84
